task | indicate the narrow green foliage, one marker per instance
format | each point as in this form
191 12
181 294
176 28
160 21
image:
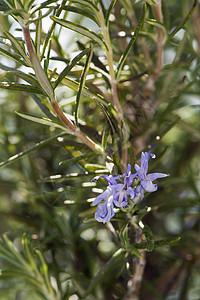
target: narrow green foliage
81 30
86 91
131 43
68 68
29 150
185 20
82 83
38 35
40 120
112 4
134 251
77 159
149 237
13 57
105 137
45 273
18 47
159 243
106 269
87 3
81 12
21 87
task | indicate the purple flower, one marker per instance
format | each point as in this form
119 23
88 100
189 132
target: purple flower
120 194
105 211
128 177
116 193
146 180
139 193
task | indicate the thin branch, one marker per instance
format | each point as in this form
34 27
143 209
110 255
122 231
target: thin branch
109 55
142 43
134 285
160 47
196 19
160 37
45 84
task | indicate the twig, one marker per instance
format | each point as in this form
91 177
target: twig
196 19
160 37
134 284
160 47
142 43
113 82
109 55
45 84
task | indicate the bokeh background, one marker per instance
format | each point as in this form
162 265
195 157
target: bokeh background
51 209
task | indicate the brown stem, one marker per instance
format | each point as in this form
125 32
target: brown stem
28 41
160 47
62 116
134 284
45 84
142 43
160 37
196 19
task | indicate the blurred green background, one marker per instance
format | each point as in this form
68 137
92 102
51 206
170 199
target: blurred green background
52 211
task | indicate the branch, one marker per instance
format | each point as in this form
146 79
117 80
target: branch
45 84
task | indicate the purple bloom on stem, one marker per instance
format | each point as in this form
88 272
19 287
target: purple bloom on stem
146 180
120 194
115 192
128 177
105 211
139 193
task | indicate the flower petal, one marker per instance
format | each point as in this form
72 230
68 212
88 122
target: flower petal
105 211
139 193
111 179
148 186
137 168
104 196
120 198
130 192
154 176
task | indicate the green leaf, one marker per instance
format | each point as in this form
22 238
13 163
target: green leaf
184 20
81 30
159 243
38 35
13 57
86 91
40 120
22 274
134 251
76 159
116 259
27 77
44 270
28 253
71 64
21 87
158 24
87 3
81 12
82 83
60 178
131 43
112 4
149 237
18 47
29 150
105 135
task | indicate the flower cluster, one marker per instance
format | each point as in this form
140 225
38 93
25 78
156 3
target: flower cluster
119 193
